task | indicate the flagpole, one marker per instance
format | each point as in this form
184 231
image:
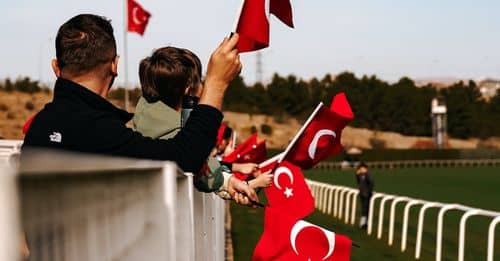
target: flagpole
302 129
125 51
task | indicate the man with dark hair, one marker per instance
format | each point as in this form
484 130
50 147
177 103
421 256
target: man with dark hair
365 184
79 118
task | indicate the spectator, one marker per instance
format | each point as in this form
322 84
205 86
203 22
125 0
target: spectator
365 184
169 76
79 118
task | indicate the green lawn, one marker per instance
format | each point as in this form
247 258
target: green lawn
476 187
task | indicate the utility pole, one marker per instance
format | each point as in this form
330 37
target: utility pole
258 67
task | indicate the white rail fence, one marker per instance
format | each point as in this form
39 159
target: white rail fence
84 207
340 202
415 164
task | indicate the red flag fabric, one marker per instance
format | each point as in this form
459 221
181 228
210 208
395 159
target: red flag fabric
248 151
291 239
282 9
27 124
253 26
321 137
138 17
289 191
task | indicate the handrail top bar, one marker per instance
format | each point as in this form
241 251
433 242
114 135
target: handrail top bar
455 206
35 162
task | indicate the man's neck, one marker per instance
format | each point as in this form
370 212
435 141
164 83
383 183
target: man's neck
96 86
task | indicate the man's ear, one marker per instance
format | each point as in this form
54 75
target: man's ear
55 68
114 66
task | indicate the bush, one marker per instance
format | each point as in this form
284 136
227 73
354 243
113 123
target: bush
266 129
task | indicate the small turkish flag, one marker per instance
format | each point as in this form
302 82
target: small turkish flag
250 151
253 24
321 137
138 17
289 191
291 239
282 9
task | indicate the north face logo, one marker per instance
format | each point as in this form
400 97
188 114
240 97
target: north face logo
55 137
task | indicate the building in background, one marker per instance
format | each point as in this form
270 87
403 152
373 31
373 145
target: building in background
438 115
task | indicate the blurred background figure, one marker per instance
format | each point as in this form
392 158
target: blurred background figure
365 184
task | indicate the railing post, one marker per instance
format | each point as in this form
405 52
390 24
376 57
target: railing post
381 215
461 239
393 217
406 214
336 201
439 234
354 201
421 217
370 211
330 199
491 238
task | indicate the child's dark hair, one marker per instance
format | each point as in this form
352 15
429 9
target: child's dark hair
166 74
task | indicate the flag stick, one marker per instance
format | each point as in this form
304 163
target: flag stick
125 51
268 161
302 129
238 15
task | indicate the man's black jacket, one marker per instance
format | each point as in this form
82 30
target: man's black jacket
79 120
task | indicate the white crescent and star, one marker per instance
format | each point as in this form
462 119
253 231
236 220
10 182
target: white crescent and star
279 171
317 136
301 225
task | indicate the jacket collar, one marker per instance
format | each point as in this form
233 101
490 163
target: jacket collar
74 91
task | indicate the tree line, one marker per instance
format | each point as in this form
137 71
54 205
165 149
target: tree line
378 105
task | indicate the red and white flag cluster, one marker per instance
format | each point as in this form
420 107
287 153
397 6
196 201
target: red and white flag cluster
286 236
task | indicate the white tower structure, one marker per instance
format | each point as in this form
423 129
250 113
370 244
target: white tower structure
438 116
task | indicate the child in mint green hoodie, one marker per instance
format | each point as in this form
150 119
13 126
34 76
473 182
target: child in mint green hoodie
167 76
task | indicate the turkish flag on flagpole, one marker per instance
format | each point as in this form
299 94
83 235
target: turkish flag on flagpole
320 137
290 239
138 17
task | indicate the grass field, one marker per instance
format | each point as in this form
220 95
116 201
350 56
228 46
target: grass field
475 187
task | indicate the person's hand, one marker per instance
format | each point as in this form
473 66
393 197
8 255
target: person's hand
245 168
223 67
241 192
262 181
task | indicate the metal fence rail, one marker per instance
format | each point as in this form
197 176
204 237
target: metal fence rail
415 164
328 196
84 207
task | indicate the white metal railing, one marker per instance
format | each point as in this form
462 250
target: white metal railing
414 163
87 207
327 195
9 151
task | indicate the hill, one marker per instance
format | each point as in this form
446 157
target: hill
17 107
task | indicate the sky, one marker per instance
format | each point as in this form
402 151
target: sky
387 38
